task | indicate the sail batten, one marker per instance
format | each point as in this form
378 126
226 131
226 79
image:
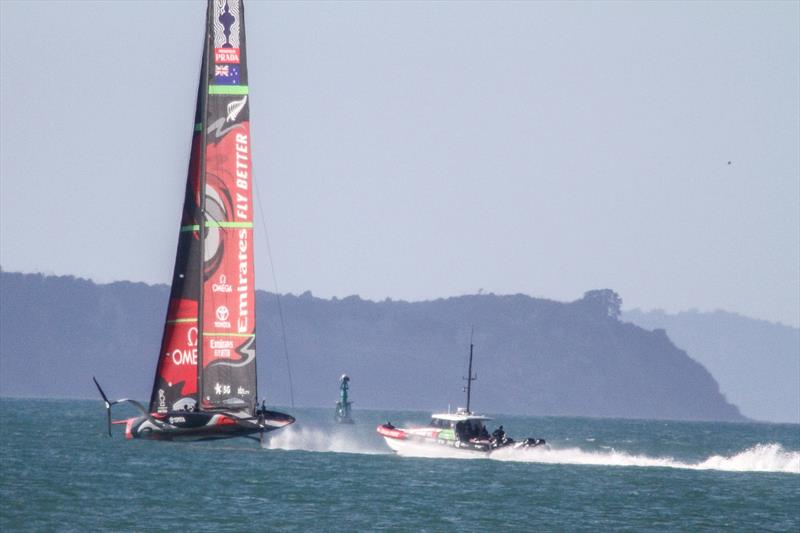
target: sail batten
207 357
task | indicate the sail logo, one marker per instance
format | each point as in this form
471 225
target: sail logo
183 357
222 314
222 285
222 389
187 355
234 108
242 175
247 351
221 343
243 287
226 55
222 348
226 24
191 337
241 391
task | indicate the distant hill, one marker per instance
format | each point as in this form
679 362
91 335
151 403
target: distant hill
756 363
532 356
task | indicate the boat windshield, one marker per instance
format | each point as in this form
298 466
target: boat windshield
472 429
464 429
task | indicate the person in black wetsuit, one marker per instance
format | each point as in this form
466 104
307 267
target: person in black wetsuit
499 435
461 431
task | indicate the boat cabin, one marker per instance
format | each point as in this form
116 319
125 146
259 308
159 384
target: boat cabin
466 426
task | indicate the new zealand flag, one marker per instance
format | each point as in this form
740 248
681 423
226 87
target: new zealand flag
226 74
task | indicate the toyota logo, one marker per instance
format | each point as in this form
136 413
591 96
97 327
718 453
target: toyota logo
222 313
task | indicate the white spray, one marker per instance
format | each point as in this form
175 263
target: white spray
759 458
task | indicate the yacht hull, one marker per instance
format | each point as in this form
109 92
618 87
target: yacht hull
196 426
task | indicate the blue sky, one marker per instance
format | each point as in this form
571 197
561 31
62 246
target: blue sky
417 150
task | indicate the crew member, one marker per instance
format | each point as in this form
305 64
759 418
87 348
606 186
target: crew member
499 435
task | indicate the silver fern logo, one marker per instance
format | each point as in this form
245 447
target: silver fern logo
235 107
226 24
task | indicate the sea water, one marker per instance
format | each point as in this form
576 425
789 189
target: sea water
60 471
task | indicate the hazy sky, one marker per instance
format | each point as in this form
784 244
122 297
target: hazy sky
418 150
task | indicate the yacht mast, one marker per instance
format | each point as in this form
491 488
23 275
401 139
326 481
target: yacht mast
470 378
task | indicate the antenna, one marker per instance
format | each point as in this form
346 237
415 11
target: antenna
470 377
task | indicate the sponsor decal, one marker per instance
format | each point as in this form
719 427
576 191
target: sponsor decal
221 343
222 285
226 74
221 389
242 175
183 357
162 401
222 354
222 313
241 391
247 351
243 213
226 55
176 419
222 348
242 320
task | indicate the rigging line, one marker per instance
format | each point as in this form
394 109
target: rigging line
277 294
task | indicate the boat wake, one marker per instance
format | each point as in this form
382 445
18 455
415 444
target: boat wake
770 457
759 458
318 440
410 449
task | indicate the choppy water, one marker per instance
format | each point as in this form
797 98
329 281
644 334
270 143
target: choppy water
60 472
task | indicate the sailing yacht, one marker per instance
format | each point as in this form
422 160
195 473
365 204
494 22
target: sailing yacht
205 379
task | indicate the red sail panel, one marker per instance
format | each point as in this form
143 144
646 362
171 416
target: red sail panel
228 373
175 385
